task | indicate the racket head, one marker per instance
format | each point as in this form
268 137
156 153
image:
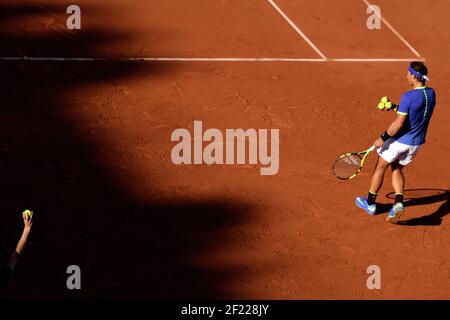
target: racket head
347 166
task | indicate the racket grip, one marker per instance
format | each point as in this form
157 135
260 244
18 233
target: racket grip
371 148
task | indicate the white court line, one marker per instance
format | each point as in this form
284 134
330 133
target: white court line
296 29
168 59
375 60
162 59
397 33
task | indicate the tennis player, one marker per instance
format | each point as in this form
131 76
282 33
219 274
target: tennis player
399 144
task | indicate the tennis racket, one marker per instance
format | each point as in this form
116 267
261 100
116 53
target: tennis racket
348 165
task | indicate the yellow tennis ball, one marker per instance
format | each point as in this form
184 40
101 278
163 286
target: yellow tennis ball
381 106
384 99
388 105
28 213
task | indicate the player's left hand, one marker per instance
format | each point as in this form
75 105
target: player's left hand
386 105
378 143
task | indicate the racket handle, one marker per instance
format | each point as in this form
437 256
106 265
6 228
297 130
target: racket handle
371 148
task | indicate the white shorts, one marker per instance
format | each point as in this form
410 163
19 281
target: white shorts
393 151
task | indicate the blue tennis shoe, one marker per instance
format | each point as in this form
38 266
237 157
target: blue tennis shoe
395 213
362 203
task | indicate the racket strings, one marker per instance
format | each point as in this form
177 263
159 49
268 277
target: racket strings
347 166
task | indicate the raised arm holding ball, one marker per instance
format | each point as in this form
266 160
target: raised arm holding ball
9 262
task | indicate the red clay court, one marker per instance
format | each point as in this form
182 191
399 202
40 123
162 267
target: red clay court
85 127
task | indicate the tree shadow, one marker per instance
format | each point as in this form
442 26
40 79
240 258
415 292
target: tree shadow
419 197
84 216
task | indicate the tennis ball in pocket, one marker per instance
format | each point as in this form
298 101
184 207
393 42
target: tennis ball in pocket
384 99
381 106
28 213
